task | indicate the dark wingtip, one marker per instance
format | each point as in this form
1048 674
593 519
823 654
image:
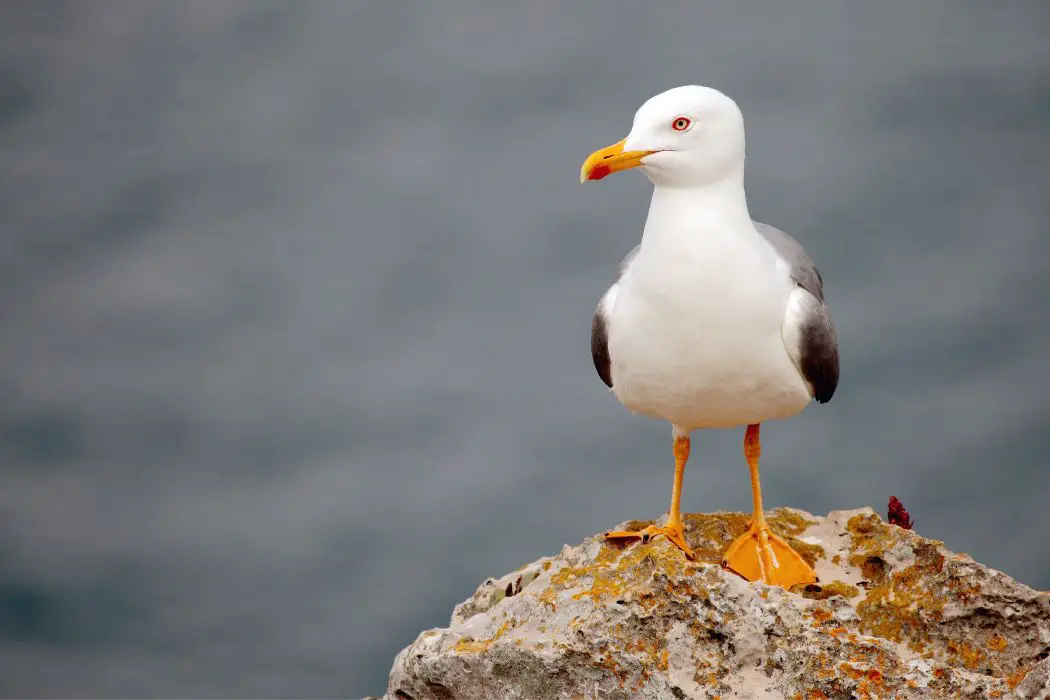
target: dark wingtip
600 349
826 389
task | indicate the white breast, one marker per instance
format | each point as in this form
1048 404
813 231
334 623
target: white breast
695 332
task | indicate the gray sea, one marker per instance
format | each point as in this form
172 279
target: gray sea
295 304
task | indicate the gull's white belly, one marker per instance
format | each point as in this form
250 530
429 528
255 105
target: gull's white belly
704 353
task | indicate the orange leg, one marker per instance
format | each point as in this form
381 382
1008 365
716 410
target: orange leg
758 554
673 530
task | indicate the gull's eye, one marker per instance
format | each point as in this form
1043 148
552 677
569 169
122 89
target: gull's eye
680 124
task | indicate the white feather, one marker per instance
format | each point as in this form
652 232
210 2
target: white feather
696 324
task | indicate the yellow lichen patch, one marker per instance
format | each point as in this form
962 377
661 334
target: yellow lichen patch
710 534
905 603
843 589
603 587
468 645
810 553
824 591
789 523
901 604
997 643
614 572
548 596
790 526
870 539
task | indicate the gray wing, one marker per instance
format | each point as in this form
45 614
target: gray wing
808 333
600 324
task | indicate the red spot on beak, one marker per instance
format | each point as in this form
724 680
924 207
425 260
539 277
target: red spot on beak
598 172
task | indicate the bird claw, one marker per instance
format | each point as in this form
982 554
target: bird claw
673 532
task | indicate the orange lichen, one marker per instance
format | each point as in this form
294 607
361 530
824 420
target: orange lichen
997 643
868 682
971 656
1015 680
821 614
606 661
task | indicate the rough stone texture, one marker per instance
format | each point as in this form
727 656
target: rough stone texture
1036 685
895 615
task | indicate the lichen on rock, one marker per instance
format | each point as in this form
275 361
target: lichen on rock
894 615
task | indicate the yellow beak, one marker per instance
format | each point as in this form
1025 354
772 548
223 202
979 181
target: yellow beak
610 159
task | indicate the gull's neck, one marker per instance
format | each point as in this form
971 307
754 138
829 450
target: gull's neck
712 208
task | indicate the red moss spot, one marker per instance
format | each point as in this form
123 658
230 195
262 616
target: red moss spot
897 515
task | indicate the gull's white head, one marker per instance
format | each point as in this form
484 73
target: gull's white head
689 136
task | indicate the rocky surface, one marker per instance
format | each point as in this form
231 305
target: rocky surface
895 615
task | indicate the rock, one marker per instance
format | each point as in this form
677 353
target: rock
895 615
1035 685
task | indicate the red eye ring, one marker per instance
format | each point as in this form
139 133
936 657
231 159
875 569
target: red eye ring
680 123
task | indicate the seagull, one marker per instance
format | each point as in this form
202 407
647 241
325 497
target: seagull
715 320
